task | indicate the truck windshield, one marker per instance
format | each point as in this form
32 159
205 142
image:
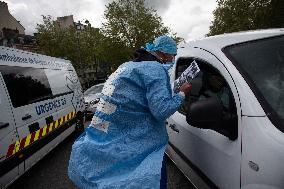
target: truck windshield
262 64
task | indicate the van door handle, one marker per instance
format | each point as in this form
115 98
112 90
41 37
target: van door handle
27 116
3 125
173 127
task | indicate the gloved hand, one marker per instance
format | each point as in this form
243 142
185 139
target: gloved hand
186 88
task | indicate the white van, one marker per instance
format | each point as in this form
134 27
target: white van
41 103
229 133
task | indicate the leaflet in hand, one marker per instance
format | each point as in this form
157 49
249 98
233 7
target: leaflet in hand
189 74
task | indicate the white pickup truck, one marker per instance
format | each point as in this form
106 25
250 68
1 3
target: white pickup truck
230 130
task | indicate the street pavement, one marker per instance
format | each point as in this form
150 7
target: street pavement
51 172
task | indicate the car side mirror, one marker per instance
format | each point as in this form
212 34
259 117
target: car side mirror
205 114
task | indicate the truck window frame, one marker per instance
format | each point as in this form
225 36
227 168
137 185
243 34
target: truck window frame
232 108
270 113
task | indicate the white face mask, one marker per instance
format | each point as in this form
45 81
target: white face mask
167 65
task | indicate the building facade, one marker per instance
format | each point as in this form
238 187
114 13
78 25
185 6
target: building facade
66 21
12 33
7 21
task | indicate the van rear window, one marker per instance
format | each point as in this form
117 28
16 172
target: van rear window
25 85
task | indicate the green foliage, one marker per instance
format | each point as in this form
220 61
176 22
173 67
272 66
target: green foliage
130 25
241 15
77 46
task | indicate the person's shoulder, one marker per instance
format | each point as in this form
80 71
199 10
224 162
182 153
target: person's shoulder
152 69
144 68
150 65
146 65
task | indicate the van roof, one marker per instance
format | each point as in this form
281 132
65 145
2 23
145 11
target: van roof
16 56
220 41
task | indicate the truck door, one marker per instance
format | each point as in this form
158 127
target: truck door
215 154
8 136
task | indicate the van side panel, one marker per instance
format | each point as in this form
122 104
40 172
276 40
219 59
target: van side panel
262 154
44 96
44 150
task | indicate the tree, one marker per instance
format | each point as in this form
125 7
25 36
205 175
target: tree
240 15
129 25
57 41
48 34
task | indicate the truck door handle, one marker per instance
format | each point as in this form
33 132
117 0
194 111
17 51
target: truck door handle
173 127
27 116
3 125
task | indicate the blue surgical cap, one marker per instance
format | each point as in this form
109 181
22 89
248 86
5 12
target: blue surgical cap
164 44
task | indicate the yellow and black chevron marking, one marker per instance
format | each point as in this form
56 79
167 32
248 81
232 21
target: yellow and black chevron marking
26 141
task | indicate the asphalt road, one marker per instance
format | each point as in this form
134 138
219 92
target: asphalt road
51 172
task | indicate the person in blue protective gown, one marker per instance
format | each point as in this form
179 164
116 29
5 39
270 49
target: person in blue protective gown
124 145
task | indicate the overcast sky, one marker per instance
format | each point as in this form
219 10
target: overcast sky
190 19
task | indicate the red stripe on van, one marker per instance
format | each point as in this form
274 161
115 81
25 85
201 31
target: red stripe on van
22 144
40 133
47 129
10 150
32 137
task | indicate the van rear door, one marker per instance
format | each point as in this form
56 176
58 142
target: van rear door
8 136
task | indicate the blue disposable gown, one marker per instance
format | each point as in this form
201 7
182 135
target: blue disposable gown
124 145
